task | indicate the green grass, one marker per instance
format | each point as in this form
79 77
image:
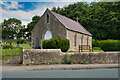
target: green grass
9 53
17 64
24 46
16 51
13 52
84 51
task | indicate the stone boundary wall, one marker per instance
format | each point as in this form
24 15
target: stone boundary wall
94 57
42 56
55 56
13 60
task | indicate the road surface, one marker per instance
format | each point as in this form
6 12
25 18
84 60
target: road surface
83 73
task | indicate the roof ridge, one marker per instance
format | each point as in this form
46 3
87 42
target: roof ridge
83 30
64 16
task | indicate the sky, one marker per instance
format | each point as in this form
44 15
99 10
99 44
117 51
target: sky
24 11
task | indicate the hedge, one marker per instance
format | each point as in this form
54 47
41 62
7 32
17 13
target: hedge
56 43
95 43
110 45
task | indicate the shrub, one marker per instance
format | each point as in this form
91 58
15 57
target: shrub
110 45
20 41
67 60
95 43
119 45
65 45
82 62
56 43
7 46
97 48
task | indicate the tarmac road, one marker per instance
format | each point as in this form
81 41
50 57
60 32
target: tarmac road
84 73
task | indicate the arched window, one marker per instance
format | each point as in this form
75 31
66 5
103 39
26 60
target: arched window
47 18
48 35
75 36
82 40
87 40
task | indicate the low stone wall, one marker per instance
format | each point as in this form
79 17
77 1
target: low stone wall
55 56
42 56
13 60
94 57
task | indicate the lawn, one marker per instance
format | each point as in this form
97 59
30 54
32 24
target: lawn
9 53
84 51
14 52
24 46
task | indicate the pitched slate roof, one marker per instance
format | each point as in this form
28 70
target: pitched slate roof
71 24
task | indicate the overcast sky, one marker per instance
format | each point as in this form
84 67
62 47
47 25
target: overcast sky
24 11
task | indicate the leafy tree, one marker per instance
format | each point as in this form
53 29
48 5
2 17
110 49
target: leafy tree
102 19
10 28
31 25
22 33
0 30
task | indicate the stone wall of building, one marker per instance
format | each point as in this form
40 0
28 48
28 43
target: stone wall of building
54 26
47 56
57 29
70 36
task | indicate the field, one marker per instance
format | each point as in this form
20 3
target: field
24 46
9 53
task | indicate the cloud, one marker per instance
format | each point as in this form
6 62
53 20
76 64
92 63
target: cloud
12 5
26 16
25 22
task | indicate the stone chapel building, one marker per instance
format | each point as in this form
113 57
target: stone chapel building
53 25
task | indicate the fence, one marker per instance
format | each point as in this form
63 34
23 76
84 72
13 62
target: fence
12 56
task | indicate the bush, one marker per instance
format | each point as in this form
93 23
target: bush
110 45
119 45
67 60
97 48
7 46
20 41
56 43
95 43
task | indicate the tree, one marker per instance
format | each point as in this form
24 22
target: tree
31 25
0 30
102 19
22 32
10 28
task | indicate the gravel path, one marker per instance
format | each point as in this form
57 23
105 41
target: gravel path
11 68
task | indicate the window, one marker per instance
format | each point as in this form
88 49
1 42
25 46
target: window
48 35
75 40
47 18
82 40
87 40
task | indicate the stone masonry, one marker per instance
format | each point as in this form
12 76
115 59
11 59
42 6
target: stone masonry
58 29
55 56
